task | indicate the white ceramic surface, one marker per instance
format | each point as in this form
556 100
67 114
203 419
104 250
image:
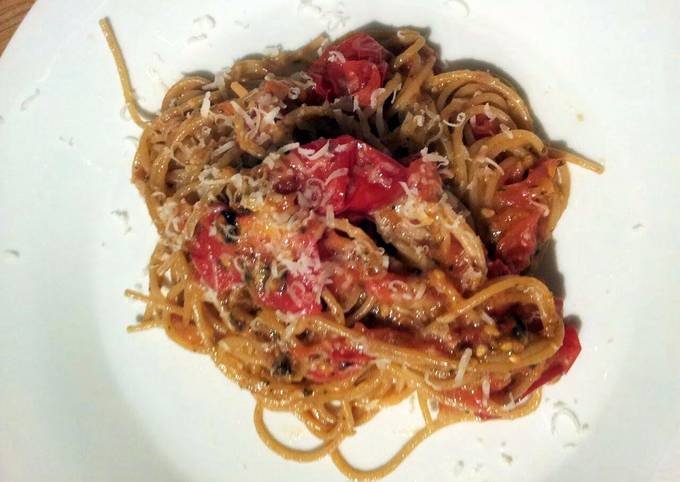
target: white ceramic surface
82 400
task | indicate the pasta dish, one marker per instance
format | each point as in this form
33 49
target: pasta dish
348 224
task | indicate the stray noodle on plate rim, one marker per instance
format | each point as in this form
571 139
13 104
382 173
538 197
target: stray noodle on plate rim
330 279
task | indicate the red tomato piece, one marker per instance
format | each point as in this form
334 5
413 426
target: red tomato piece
375 180
387 287
207 249
424 177
300 294
354 77
482 126
496 268
331 359
473 398
330 172
517 227
355 66
352 176
561 361
539 178
518 242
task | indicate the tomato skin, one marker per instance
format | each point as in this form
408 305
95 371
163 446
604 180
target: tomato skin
371 180
331 359
424 178
205 251
518 241
255 236
560 363
379 287
304 302
482 126
363 70
356 77
539 178
342 154
518 226
375 181
473 398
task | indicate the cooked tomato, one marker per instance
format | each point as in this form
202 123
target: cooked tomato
405 337
206 252
355 66
297 294
517 226
347 268
473 398
424 177
326 176
352 177
387 287
517 237
293 293
482 126
375 180
538 182
354 77
331 359
257 234
560 363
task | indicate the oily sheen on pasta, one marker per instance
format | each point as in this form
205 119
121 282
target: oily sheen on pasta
347 224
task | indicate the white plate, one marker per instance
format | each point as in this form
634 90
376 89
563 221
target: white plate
82 400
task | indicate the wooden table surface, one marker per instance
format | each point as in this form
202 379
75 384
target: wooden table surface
12 12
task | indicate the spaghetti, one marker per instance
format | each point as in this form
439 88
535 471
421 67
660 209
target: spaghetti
343 226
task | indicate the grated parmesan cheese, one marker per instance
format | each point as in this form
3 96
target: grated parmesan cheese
336 56
460 118
486 390
355 104
545 210
434 157
395 91
374 97
486 318
247 119
219 81
271 116
271 159
487 161
422 287
222 149
507 131
511 405
488 112
322 152
330 216
343 171
462 367
294 92
396 286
